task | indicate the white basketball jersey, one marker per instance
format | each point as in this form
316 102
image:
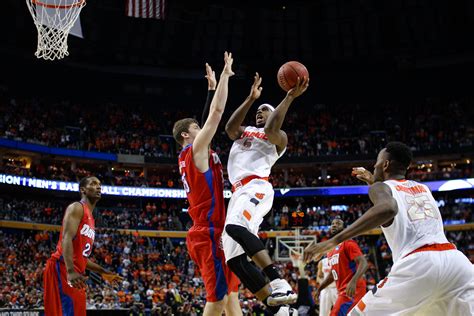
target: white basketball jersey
418 221
251 155
327 270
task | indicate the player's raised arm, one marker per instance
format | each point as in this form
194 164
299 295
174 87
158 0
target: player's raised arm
384 210
273 125
203 139
211 89
234 126
71 222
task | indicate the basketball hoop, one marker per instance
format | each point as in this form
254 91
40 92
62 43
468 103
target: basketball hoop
54 19
286 246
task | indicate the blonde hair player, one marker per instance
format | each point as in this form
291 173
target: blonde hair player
429 275
201 173
253 153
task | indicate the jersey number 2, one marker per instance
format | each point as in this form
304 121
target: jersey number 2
87 250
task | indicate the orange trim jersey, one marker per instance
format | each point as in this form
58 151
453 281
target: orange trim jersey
252 155
418 221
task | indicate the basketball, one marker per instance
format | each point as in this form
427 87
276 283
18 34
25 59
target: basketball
288 74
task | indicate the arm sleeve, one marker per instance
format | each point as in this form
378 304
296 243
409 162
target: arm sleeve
303 293
353 250
207 105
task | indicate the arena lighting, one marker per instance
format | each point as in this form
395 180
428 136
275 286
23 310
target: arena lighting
445 185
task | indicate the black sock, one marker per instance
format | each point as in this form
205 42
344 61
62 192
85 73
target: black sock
271 272
273 309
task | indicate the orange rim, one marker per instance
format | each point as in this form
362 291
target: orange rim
52 6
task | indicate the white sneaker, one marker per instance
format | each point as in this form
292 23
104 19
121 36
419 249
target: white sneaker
282 293
287 311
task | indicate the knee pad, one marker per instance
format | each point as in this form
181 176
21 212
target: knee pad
247 272
251 243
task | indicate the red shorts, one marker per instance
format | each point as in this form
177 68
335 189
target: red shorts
59 297
345 303
205 248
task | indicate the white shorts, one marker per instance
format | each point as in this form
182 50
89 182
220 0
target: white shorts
247 207
327 300
423 283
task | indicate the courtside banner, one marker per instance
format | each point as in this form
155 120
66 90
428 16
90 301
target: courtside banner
445 185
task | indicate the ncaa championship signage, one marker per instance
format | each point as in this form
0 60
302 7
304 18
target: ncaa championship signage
445 185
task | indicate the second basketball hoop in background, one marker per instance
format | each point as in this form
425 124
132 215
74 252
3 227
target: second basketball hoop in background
54 20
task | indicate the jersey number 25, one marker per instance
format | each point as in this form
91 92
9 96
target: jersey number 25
420 207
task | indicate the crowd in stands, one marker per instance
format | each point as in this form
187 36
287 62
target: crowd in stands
170 214
346 129
163 214
159 276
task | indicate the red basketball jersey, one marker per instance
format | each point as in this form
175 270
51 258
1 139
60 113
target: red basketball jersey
343 265
205 190
82 242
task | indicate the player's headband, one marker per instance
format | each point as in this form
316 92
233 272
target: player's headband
268 106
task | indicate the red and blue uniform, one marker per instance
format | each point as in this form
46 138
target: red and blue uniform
59 297
205 192
343 267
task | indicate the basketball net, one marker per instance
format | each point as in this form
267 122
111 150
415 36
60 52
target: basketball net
54 19
288 246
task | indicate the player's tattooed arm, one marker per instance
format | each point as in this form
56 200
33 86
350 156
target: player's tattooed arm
274 123
234 126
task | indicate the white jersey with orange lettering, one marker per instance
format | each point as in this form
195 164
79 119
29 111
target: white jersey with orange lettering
429 275
251 159
251 155
418 221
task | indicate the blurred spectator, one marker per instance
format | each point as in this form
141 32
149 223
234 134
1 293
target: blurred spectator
345 129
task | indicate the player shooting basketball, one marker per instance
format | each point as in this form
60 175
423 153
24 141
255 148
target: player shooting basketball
253 153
